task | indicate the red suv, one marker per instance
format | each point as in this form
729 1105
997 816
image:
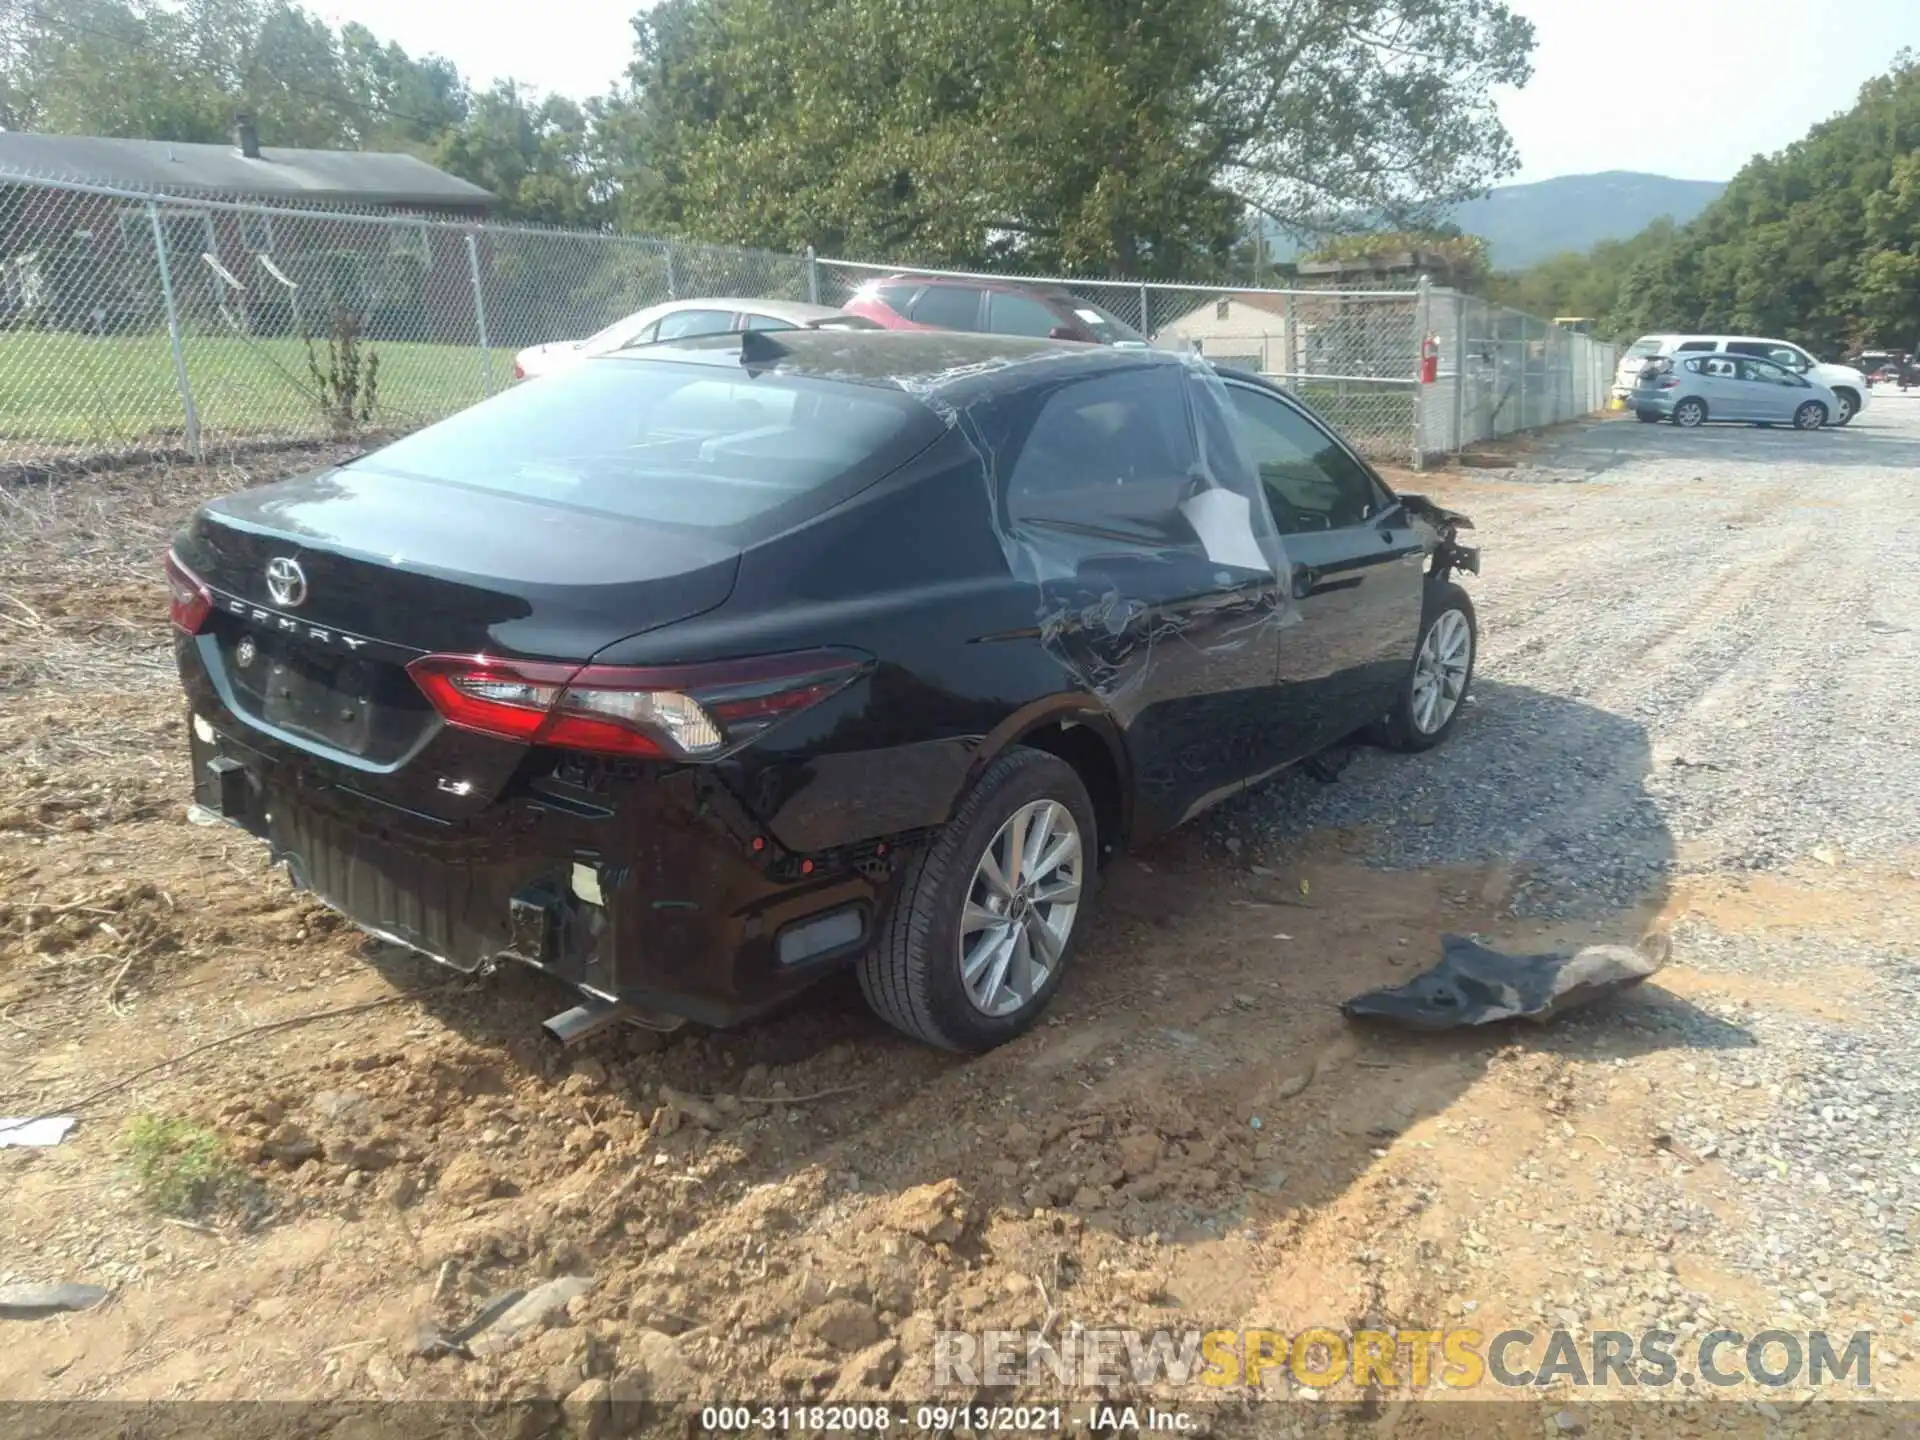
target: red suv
925 302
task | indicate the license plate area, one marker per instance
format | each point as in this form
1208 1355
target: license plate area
347 703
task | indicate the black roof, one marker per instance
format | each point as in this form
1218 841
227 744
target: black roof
954 364
365 177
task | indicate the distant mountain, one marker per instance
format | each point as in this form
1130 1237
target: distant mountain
1523 224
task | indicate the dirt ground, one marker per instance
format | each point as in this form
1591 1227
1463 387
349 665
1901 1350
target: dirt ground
1194 1139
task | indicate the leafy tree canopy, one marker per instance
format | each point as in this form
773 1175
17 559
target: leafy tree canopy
1059 133
1819 244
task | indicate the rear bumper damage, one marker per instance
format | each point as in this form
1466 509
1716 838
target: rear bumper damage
646 890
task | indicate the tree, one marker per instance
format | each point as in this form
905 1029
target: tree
1465 255
1819 243
1058 133
1595 284
535 154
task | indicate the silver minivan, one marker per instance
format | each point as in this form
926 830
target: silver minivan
1691 390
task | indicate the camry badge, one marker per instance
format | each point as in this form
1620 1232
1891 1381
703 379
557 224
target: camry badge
286 582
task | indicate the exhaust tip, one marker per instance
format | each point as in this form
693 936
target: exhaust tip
572 1027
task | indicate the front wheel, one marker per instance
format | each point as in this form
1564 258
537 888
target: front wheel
983 922
1690 413
1849 404
1436 684
1810 416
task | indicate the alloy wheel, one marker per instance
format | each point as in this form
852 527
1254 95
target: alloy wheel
1440 671
1020 907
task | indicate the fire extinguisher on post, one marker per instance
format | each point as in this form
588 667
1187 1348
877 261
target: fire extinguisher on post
1429 359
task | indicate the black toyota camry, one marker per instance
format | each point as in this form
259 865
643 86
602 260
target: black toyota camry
701 670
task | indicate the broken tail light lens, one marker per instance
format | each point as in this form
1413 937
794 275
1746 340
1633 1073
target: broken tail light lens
669 712
190 600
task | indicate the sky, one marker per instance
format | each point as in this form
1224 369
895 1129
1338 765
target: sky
1727 79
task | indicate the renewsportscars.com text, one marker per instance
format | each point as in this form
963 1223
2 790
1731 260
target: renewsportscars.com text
1459 1359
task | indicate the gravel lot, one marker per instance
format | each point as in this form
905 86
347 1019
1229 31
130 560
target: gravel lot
1695 711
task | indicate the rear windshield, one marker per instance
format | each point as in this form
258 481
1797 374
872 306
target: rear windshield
674 444
1649 346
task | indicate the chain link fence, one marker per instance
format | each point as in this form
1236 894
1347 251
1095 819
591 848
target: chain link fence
1351 353
135 324
1498 371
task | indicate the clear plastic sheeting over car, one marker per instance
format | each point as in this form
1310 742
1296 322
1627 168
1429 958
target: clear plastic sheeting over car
1124 495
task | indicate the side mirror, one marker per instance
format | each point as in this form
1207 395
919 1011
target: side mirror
1061 332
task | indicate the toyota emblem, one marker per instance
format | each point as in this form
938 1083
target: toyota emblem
286 582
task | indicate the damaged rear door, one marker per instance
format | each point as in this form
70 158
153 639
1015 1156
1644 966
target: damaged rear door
1155 593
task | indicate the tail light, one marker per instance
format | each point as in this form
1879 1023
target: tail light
671 712
191 601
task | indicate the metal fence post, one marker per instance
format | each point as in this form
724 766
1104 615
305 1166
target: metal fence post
1146 312
673 285
173 333
480 316
1422 315
1526 359
1459 372
813 277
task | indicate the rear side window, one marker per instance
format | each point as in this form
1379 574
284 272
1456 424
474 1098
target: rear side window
950 307
1690 347
685 324
1640 349
768 322
675 444
898 298
1113 456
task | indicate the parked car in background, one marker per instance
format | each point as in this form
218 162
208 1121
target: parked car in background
701 669
1692 390
681 320
1888 367
923 302
1849 386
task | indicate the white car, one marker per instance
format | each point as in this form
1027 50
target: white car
679 319
1849 386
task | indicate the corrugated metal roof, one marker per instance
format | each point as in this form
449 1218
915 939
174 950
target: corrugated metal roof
364 177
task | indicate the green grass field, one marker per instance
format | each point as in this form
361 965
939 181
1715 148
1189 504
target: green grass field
76 391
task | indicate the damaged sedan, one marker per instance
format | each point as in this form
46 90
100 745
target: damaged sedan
699 671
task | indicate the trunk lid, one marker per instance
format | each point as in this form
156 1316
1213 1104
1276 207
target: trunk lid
325 587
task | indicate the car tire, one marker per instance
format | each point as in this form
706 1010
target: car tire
1647 417
1810 416
1849 407
914 976
1447 617
1690 413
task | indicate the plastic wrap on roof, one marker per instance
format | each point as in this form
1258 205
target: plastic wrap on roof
1124 496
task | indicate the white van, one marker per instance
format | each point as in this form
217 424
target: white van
1849 386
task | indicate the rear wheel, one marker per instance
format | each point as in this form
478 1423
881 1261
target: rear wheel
1647 417
1690 413
1810 416
984 920
1435 688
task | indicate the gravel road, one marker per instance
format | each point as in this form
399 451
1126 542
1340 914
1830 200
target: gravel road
1698 692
